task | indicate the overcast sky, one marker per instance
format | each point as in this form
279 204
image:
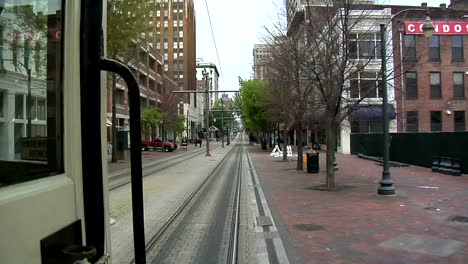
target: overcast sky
237 26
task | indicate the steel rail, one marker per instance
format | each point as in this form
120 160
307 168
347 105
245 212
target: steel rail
150 168
233 249
152 242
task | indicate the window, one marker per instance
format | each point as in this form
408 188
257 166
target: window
158 45
366 85
19 106
366 126
166 45
181 34
364 46
158 13
166 67
175 55
434 48
459 118
436 89
411 80
458 85
436 121
181 23
166 23
36 147
181 45
166 56
409 52
412 121
457 48
175 23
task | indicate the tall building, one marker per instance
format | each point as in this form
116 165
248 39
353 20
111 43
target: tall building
261 53
172 33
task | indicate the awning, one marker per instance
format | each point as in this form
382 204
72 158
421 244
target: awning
373 112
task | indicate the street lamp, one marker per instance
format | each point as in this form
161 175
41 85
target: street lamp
222 123
207 111
29 99
386 183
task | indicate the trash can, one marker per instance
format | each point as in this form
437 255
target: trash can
312 163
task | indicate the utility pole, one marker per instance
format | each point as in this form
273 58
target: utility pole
207 112
222 123
206 92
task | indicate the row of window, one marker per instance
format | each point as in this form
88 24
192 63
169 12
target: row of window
176 45
177 23
412 121
458 82
434 48
367 46
166 12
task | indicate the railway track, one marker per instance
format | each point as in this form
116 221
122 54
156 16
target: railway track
206 225
122 178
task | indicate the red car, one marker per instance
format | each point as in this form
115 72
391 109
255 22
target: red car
157 144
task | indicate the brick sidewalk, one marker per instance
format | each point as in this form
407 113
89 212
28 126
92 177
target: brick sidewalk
355 225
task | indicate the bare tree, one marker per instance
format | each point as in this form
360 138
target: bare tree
290 90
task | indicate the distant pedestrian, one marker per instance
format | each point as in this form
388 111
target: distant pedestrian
200 141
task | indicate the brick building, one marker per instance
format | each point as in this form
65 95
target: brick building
431 76
147 67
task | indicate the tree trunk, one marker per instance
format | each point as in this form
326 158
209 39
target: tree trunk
285 144
114 120
331 144
300 138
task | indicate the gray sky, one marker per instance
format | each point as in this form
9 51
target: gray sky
237 26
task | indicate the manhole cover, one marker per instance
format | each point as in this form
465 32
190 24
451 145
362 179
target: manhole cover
459 218
308 227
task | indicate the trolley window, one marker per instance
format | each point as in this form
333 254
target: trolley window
31 131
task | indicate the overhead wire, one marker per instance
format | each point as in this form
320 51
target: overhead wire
214 41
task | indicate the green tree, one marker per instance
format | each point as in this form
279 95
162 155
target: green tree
150 117
126 21
252 105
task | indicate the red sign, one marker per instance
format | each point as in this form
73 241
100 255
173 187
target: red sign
55 35
441 28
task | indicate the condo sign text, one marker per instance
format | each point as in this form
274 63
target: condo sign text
441 27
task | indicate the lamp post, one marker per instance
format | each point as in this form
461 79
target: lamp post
207 111
222 123
187 135
386 183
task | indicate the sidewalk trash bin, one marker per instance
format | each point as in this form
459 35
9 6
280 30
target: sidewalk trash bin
312 162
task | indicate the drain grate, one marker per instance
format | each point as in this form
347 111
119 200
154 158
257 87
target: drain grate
308 227
460 218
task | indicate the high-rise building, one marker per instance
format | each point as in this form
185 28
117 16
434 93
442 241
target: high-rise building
261 53
172 33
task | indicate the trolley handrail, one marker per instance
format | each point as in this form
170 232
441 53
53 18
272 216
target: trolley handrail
135 154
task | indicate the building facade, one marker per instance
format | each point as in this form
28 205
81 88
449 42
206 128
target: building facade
172 32
261 53
431 75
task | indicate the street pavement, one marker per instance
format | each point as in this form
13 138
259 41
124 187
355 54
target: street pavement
355 224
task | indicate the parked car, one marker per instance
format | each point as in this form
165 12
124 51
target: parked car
157 144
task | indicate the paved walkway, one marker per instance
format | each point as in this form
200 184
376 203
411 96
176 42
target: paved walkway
355 225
